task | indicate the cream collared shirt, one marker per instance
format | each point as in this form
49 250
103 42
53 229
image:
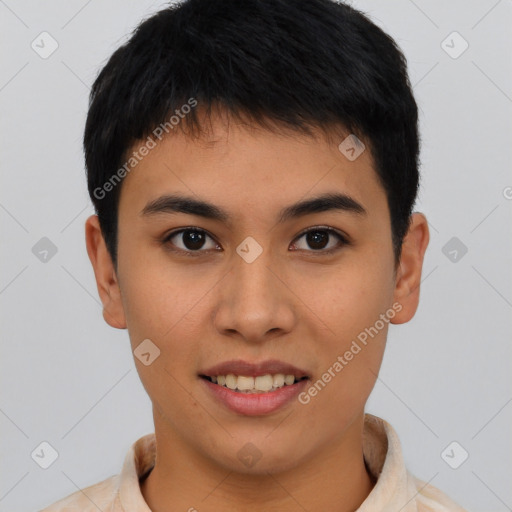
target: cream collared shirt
396 490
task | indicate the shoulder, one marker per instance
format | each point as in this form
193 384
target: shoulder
100 496
432 499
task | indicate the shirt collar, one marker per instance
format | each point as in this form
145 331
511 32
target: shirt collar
394 490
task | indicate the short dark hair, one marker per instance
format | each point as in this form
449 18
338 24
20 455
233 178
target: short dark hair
295 63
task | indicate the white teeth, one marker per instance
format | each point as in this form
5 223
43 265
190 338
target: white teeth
279 380
231 381
262 383
245 383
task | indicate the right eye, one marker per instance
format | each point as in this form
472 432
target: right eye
191 239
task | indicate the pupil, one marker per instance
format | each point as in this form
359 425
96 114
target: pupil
193 240
315 238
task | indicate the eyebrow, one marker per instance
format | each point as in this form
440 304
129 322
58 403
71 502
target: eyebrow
176 203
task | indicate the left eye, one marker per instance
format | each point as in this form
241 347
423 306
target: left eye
193 240
317 239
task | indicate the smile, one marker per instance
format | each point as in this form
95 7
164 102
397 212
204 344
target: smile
254 402
251 385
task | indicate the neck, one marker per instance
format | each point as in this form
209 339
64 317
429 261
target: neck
336 478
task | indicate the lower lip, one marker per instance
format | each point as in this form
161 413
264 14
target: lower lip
255 404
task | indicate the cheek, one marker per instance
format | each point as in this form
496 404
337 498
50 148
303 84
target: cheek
357 295
357 298
155 294
164 304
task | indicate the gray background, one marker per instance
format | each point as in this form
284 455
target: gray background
69 379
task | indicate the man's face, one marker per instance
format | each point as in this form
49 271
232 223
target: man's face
303 300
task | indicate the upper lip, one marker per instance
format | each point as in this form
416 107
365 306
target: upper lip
241 367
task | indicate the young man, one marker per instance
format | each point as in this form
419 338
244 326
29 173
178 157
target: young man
254 166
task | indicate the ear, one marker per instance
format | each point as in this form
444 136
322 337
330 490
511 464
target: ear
408 279
104 271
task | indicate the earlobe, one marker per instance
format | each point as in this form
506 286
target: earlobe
408 280
104 272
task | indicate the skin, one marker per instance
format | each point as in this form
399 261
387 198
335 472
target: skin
290 304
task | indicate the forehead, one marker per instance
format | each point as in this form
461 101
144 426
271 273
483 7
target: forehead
246 167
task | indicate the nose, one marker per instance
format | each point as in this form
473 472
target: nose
256 302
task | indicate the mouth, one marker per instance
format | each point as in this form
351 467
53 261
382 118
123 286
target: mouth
254 388
251 385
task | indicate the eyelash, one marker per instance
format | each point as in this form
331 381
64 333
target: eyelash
343 239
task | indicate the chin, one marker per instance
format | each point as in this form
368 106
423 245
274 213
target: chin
259 459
